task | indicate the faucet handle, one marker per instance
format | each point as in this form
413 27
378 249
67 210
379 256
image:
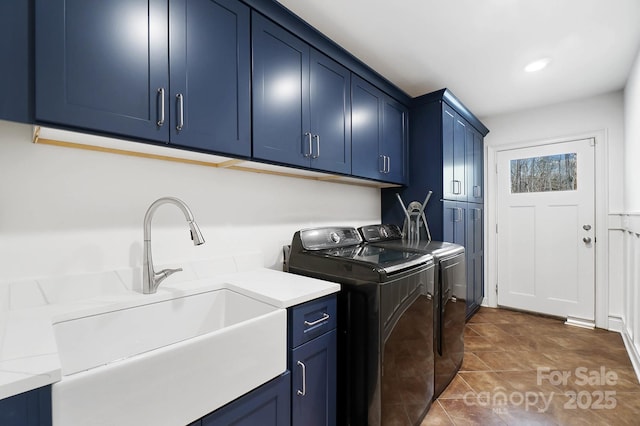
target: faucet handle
167 272
161 275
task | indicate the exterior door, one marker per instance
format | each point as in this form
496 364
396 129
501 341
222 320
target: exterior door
546 235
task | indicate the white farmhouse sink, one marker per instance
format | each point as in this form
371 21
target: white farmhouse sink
166 363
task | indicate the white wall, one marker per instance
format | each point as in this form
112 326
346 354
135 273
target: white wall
67 211
630 220
577 118
632 139
600 116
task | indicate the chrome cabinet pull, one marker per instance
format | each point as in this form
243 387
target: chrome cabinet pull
303 392
587 240
457 214
388 164
180 100
384 163
160 121
325 316
317 138
457 187
309 137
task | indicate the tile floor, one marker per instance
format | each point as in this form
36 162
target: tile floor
523 369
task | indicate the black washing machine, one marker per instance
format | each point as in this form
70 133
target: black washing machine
385 311
450 295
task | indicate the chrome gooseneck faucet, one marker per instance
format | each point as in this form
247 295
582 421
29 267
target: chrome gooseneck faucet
150 278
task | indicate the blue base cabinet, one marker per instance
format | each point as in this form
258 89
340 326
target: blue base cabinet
166 71
314 382
313 362
268 405
31 408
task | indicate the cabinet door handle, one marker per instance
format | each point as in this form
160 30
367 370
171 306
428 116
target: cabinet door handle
457 187
180 100
303 392
384 163
310 146
317 138
457 214
160 121
325 316
388 164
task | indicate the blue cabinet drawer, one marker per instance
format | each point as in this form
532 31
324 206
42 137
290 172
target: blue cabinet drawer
312 319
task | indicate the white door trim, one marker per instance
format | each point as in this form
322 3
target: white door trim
601 209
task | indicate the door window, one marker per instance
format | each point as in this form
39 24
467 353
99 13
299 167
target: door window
542 174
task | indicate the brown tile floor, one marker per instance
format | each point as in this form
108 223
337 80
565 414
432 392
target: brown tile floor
523 369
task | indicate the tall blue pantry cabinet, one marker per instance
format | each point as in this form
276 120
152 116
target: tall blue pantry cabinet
446 157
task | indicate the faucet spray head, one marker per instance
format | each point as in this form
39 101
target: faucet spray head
196 235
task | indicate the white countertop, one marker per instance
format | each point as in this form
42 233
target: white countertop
28 352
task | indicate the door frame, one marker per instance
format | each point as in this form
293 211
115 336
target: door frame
601 216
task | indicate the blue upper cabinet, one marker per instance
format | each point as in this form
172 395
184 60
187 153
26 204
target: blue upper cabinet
330 100
210 75
301 105
280 95
394 139
475 166
379 134
16 39
454 142
104 66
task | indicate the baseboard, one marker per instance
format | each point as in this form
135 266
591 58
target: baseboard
577 322
634 356
615 324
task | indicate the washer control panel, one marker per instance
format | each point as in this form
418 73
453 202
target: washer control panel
329 237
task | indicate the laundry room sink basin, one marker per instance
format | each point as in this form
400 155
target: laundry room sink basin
168 362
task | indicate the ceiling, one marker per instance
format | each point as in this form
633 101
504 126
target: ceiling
479 48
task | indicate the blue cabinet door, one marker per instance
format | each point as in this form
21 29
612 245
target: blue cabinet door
379 134
281 126
268 405
16 38
366 129
330 100
210 76
454 222
31 408
103 65
454 143
474 257
475 166
394 139
313 366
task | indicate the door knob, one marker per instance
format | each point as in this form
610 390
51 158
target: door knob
586 227
587 240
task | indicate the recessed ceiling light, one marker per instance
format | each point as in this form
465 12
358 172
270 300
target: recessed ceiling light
537 65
